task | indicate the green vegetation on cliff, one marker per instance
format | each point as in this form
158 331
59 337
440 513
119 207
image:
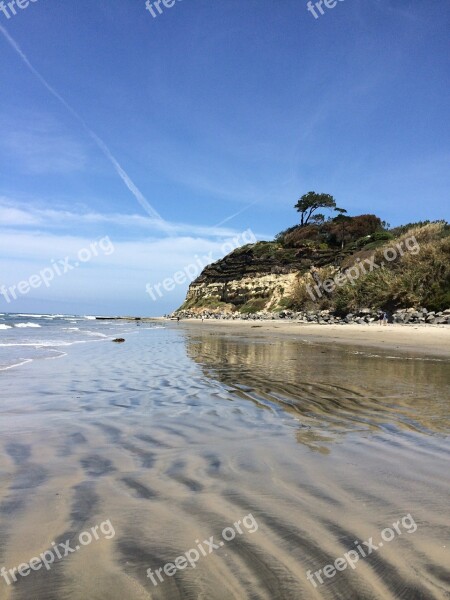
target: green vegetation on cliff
410 267
412 279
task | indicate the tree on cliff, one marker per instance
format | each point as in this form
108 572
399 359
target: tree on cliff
343 220
310 202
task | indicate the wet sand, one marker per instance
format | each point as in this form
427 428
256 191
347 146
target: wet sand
183 431
432 340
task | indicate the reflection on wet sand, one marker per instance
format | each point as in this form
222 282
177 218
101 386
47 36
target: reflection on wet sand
339 390
178 435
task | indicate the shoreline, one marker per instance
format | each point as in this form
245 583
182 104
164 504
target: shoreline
420 339
417 339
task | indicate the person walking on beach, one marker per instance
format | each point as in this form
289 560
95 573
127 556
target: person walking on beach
382 318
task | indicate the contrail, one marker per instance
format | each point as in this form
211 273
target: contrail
236 214
100 143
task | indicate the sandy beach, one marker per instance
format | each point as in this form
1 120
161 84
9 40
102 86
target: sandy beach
422 340
186 430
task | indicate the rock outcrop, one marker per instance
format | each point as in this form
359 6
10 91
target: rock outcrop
409 316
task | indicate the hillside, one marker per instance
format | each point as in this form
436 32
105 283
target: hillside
341 266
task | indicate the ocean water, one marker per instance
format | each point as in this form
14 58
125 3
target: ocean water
28 337
288 454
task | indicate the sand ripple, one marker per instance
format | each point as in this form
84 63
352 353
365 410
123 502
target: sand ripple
174 436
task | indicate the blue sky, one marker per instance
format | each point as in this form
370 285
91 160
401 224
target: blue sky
171 135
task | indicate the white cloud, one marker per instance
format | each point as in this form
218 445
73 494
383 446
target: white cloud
36 144
113 280
18 214
36 153
11 216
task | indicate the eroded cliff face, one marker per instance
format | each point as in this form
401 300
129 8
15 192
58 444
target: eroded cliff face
256 277
256 292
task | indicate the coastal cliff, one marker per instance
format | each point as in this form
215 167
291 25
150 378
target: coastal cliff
305 269
260 276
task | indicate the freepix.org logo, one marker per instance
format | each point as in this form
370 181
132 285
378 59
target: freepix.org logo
365 549
202 549
55 553
316 9
9 9
362 268
154 6
192 270
57 269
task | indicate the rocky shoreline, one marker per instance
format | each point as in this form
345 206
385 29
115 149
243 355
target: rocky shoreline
326 317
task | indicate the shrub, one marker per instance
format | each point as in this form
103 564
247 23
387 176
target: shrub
421 279
353 229
253 306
